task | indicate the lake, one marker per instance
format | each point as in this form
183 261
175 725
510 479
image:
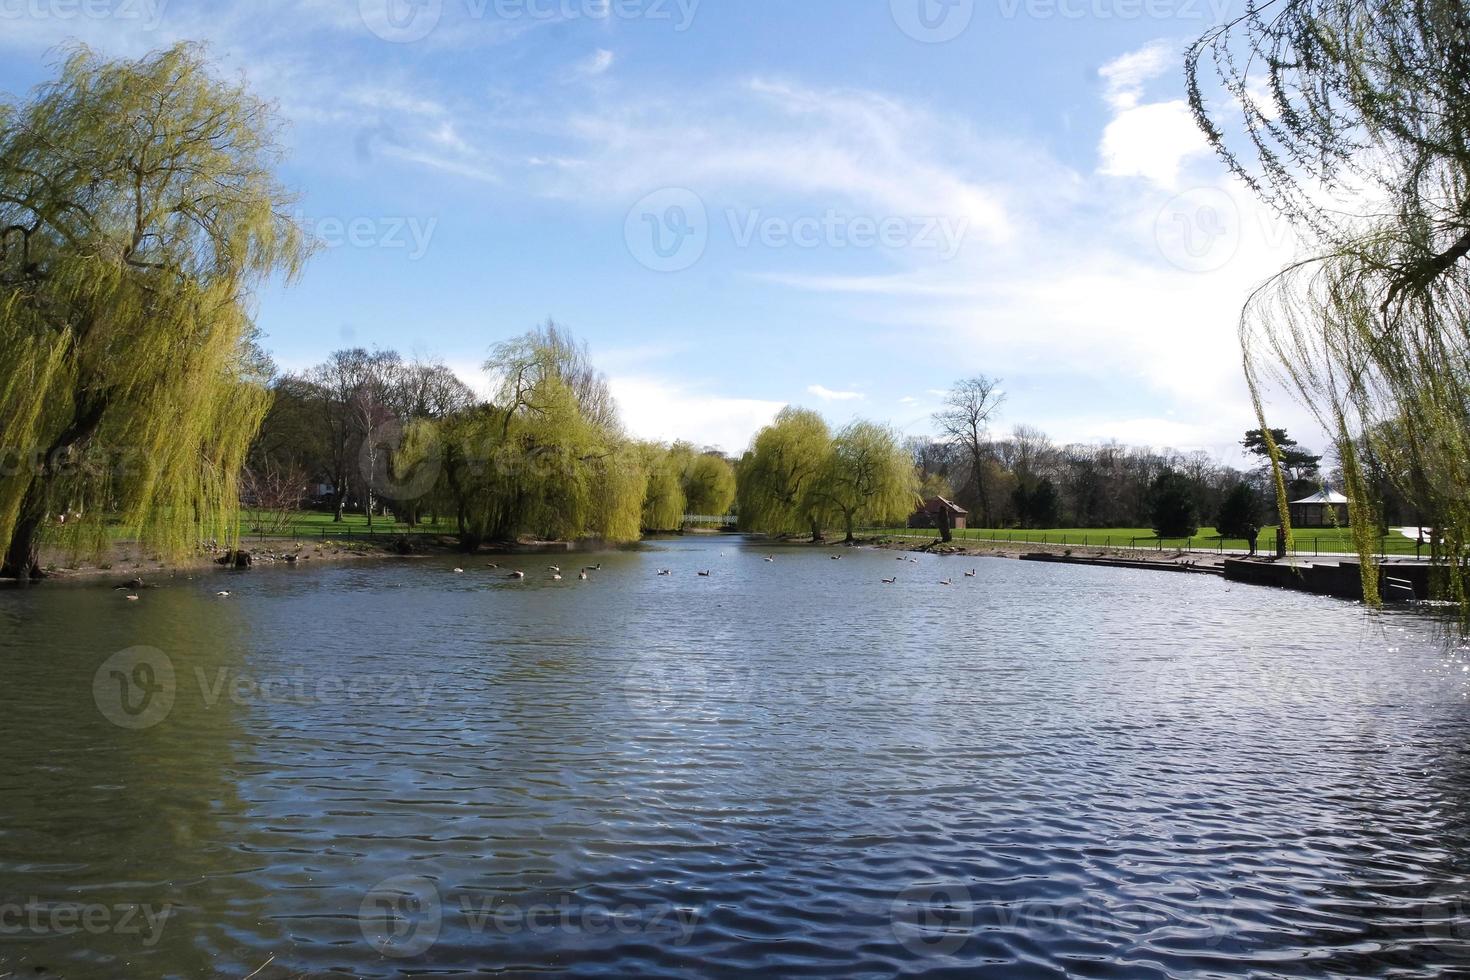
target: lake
785 769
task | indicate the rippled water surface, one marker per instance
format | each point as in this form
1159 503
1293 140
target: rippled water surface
785 769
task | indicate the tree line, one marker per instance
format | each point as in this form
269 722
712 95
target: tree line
545 456
800 478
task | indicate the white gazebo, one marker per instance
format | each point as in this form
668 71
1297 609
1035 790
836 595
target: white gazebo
1323 509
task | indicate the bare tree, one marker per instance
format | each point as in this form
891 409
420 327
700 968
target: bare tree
370 410
969 407
271 495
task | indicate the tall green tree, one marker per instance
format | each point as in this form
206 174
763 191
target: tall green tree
777 476
709 484
867 476
664 502
547 458
139 207
1240 513
1172 506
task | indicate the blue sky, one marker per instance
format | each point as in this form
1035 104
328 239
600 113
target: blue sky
743 204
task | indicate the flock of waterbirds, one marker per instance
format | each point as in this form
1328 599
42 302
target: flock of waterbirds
137 585
556 575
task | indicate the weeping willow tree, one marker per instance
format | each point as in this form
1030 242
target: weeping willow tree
1352 119
138 207
664 501
867 476
547 458
709 484
778 475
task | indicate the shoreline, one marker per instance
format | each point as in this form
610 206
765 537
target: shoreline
128 561
1067 554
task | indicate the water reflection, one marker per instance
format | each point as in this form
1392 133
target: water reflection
786 768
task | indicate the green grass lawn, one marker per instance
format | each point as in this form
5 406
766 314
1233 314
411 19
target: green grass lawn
313 524
1307 541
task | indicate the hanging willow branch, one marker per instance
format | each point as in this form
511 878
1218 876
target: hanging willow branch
140 209
1354 123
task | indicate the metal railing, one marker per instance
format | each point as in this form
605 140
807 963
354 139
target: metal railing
1304 546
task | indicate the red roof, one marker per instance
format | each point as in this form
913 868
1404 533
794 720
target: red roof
935 504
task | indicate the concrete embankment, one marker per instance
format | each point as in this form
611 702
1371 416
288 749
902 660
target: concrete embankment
1177 565
1397 581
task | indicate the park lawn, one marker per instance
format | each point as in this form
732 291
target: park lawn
1307 541
313 524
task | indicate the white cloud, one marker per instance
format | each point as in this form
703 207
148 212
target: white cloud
828 395
598 63
1152 141
666 411
1124 77
774 143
